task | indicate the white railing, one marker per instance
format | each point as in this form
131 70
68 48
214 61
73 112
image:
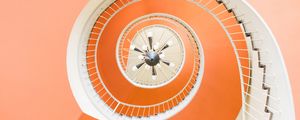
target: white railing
275 80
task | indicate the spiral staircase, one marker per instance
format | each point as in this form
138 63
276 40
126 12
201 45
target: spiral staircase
177 59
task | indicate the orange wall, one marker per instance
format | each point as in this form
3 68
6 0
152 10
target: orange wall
33 79
34 34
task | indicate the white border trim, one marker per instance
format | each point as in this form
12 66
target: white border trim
73 57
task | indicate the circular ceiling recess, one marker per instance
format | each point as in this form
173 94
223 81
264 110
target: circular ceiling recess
171 59
151 52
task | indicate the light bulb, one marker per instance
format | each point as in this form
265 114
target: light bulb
132 47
